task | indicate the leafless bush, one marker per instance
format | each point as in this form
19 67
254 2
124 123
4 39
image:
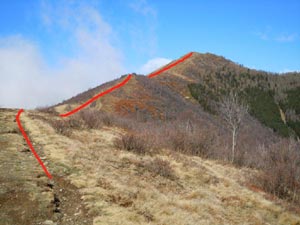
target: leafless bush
280 168
196 142
160 167
177 136
108 120
61 127
131 143
96 119
91 118
65 126
74 122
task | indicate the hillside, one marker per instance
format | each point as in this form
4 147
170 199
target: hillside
204 78
207 77
141 95
96 183
149 153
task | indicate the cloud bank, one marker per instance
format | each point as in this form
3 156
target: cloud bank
153 64
287 38
28 81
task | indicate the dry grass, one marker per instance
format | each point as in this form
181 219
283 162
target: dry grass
188 138
118 190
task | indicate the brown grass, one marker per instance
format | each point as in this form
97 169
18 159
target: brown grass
278 163
116 191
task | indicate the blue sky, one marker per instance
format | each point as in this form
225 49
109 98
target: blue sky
51 50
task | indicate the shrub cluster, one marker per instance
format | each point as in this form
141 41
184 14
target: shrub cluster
131 143
280 166
160 167
65 126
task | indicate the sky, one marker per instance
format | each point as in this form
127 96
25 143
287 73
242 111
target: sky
53 50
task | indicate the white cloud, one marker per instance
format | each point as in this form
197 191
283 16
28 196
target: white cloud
268 35
28 81
142 7
264 34
153 64
287 38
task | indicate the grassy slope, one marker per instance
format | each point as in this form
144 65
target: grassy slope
117 189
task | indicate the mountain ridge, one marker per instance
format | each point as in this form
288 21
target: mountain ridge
202 78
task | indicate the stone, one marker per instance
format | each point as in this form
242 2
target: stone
49 222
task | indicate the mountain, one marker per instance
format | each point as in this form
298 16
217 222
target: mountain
140 95
273 98
204 78
157 151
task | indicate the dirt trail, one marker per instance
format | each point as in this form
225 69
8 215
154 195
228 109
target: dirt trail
26 194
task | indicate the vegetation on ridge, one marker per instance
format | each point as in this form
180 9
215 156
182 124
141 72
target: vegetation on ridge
263 92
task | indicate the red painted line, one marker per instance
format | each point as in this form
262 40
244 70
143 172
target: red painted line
170 65
30 145
97 96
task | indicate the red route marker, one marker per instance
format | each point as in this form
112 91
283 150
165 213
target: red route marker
171 65
30 145
97 96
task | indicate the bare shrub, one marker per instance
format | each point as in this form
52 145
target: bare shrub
61 127
65 126
177 140
196 142
91 118
280 167
96 119
74 122
108 120
131 143
160 167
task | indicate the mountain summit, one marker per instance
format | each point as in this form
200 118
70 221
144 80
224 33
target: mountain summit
204 79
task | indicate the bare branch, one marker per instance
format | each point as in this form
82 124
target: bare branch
233 111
